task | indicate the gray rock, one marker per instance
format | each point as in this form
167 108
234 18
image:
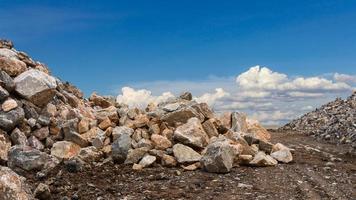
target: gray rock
191 134
35 143
185 154
219 156
13 186
121 146
18 137
6 81
3 94
238 122
181 116
265 146
9 120
120 130
283 155
41 133
186 96
26 158
36 86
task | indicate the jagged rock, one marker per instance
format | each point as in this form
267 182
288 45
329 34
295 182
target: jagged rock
3 94
83 125
6 81
27 158
238 122
65 149
41 133
99 140
35 143
18 137
192 167
76 138
263 160
283 155
121 146
225 119
9 120
256 130
6 44
12 66
5 145
219 156
160 142
106 123
186 96
181 116
8 105
192 134
147 160
210 128
265 146
42 192
135 155
203 108
100 101
90 154
36 86
168 161
109 112
119 130
185 154
13 186
244 159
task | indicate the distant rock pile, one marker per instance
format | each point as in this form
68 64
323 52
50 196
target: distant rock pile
334 121
45 122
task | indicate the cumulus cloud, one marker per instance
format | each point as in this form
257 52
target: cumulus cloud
212 98
265 95
140 98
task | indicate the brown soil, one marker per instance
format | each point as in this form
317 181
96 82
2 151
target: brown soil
314 174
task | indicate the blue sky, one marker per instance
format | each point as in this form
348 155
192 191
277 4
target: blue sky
105 45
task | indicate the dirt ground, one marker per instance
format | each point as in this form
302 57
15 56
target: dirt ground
319 171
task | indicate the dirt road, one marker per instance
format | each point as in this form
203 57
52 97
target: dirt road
320 171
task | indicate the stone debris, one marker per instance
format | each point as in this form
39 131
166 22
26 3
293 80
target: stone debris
44 121
334 122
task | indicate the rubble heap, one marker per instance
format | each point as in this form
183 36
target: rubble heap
45 122
334 121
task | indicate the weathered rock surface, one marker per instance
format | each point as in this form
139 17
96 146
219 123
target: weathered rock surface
192 134
65 149
36 86
13 186
121 146
185 154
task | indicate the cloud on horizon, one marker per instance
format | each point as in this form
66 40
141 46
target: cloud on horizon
270 97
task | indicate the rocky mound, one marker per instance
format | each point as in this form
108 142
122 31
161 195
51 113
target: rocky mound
44 122
334 121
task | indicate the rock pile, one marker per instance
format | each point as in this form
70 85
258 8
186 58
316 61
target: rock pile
334 121
44 121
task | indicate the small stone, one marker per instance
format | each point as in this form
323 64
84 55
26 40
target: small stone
185 154
18 137
283 155
5 145
42 192
135 155
147 160
168 161
105 124
186 96
76 138
35 143
3 94
244 159
9 105
41 133
263 160
192 167
210 129
90 154
83 125
9 120
137 167
119 130
265 146
13 186
121 146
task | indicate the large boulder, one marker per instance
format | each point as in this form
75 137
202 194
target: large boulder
13 186
36 86
27 158
9 120
120 147
219 156
185 154
192 134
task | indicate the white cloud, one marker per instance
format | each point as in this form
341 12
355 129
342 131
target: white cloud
140 98
211 98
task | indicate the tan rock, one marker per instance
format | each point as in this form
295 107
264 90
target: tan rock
192 134
225 119
137 167
257 131
263 160
65 149
168 161
192 167
12 66
105 124
210 128
5 145
160 142
9 105
83 125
